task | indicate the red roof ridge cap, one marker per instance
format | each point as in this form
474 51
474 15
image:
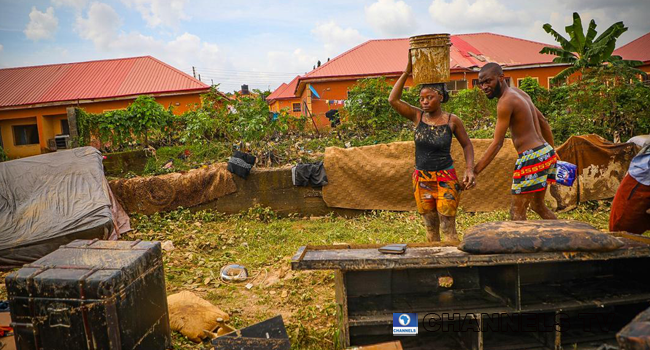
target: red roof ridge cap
79 62
507 36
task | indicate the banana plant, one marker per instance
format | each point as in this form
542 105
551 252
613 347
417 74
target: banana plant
583 52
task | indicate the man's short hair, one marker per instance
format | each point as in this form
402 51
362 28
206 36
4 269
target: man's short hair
492 68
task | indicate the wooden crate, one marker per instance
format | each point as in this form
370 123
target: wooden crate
547 292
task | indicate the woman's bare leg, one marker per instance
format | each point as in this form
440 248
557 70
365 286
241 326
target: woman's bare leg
448 227
432 224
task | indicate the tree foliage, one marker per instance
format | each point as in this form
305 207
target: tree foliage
368 109
477 112
586 51
142 122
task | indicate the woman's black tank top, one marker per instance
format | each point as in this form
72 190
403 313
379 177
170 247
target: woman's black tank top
433 146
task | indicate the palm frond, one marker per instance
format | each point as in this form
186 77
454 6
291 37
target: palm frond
563 75
576 32
571 60
557 52
617 60
566 44
591 33
614 27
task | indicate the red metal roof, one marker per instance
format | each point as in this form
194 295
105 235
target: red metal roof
284 91
92 80
638 49
388 56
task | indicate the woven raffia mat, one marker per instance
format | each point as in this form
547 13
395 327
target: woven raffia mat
379 177
148 195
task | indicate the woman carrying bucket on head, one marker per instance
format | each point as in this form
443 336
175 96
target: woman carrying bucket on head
435 184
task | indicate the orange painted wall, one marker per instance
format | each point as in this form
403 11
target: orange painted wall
331 90
542 74
278 105
337 89
7 134
48 119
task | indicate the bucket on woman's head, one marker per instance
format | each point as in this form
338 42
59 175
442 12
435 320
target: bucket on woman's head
430 58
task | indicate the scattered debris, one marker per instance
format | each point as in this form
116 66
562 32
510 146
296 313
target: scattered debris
168 246
169 164
269 334
249 286
193 316
234 272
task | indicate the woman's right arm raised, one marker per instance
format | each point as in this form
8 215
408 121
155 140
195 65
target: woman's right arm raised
403 108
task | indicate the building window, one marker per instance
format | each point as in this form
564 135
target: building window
65 127
519 80
296 107
456 85
25 135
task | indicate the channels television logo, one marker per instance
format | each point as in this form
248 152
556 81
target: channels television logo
405 324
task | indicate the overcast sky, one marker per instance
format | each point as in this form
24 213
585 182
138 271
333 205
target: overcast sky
263 43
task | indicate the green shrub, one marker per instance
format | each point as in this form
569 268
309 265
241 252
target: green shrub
477 112
368 109
143 122
3 155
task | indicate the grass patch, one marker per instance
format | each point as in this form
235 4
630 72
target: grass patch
206 241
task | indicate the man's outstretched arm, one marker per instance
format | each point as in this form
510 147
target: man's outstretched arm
504 111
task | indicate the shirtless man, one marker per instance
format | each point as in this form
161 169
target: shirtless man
532 138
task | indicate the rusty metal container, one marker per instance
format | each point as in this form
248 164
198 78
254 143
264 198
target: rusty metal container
92 295
430 58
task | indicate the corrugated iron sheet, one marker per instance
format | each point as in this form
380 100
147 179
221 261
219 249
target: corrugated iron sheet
92 80
379 57
638 49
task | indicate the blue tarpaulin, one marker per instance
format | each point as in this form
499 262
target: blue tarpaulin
313 91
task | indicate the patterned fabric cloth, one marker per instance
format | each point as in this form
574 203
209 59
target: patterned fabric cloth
533 169
436 191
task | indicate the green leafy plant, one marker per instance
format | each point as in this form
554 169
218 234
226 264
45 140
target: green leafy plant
477 112
3 155
142 122
584 52
609 102
368 109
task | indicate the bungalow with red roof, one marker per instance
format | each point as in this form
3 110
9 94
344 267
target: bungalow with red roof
33 100
284 97
468 53
639 50
325 87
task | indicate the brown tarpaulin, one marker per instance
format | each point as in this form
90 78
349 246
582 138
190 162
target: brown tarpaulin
148 195
379 177
601 167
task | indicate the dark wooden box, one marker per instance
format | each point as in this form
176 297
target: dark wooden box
549 300
92 295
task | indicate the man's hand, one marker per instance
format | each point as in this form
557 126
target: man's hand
469 180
